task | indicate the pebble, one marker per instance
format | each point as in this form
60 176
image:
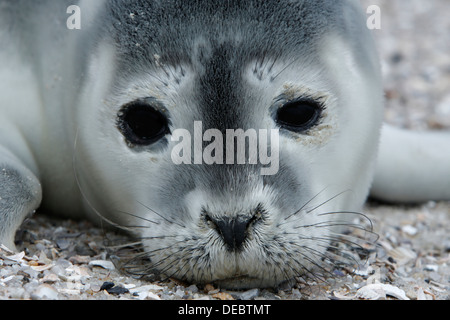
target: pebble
152 296
431 267
45 292
80 259
410 230
105 264
377 291
147 292
192 288
118 290
249 295
223 296
402 255
107 285
149 287
208 288
50 278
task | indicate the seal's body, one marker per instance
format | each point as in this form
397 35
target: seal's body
88 120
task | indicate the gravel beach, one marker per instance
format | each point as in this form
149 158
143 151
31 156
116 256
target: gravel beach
74 260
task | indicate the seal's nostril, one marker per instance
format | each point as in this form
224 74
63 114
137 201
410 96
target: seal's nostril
233 231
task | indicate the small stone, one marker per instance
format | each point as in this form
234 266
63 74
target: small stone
269 295
45 292
296 294
83 249
192 289
153 296
63 243
250 294
378 291
17 293
118 290
112 289
246 295
409 230
108 265
63 263
208 288
146 288
80 259
223 296
402 255
431 267
179 293
107 285
50 278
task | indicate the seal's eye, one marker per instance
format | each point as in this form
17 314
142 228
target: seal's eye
142 124
298 116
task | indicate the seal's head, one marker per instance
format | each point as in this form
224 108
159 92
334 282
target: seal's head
169 81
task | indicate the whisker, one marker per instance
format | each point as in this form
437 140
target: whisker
168 277
358 214
170 265
135 267
84 196
161 216
308 202
285 68
341 249
327 224
310 210
139 217
325 202
339 259
124 245
157 237
316 264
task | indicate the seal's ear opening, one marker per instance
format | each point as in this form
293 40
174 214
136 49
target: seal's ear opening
142 123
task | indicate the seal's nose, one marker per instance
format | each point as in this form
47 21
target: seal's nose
233 231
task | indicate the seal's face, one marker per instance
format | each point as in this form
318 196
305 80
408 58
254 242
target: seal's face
174 178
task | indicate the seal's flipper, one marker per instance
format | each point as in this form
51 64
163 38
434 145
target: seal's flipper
412 166
20 195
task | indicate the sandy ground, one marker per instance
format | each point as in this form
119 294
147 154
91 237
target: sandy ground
63 259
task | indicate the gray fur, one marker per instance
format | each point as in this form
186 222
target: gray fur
246 29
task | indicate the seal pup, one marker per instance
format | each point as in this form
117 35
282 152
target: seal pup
88 119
